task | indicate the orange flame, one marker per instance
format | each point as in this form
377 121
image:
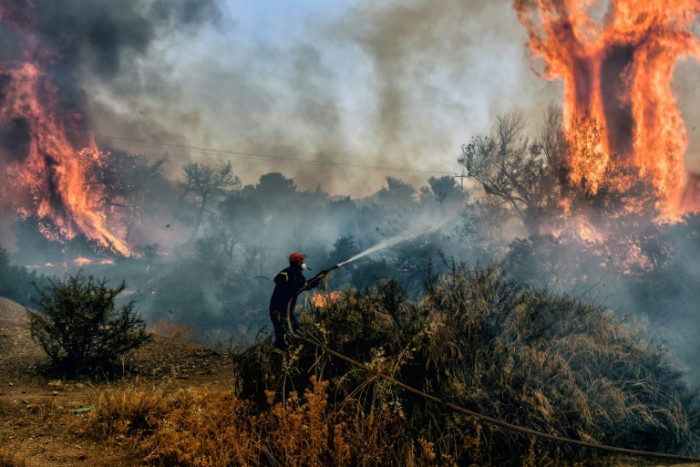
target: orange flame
324 300
64 194
618 73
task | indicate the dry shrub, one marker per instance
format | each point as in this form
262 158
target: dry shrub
168 328
203 428
554 364
528 357
213 428
126 413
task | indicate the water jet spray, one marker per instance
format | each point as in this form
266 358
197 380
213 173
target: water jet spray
418 231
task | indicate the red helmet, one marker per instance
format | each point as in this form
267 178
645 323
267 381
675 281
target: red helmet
296 258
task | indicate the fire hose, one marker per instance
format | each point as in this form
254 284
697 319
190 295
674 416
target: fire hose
465 411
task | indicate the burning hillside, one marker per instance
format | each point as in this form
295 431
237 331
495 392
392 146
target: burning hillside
617 76
53 178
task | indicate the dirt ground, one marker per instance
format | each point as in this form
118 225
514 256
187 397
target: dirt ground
36 422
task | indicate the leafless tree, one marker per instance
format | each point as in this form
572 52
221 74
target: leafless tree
206 184
526 174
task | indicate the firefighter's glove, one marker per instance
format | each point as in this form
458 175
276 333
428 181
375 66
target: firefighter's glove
326 271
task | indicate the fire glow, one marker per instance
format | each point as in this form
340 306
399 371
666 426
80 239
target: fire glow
324 300
55 178
617 73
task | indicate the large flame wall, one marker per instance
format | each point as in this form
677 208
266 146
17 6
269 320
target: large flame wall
618 72
56 177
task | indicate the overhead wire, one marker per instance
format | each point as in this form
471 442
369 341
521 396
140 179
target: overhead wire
269 157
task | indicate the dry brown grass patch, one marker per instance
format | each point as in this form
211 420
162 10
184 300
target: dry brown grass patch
206 427
9 457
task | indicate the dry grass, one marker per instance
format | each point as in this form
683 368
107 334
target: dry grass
168 328
201 427
11 458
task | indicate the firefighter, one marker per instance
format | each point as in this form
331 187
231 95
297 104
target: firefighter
289 283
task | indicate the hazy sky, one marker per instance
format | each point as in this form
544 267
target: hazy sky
389 84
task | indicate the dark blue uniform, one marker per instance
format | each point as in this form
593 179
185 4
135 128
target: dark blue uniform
289 283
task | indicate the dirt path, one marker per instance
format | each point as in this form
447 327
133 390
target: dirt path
36 423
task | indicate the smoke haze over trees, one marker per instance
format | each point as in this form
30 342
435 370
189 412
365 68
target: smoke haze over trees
224 241
224 135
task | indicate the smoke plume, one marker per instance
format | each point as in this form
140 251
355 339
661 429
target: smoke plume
399 84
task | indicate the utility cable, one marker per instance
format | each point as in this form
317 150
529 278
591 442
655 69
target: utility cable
260 156
485 418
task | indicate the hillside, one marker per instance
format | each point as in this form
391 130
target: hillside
36 425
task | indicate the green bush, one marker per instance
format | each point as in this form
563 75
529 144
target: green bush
80 327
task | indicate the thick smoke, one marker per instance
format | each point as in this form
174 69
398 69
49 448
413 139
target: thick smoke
104 39
104 43
79 43
410 46
398 84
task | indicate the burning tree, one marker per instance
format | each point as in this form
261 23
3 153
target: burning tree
51 165
617 73
127 178
539 178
